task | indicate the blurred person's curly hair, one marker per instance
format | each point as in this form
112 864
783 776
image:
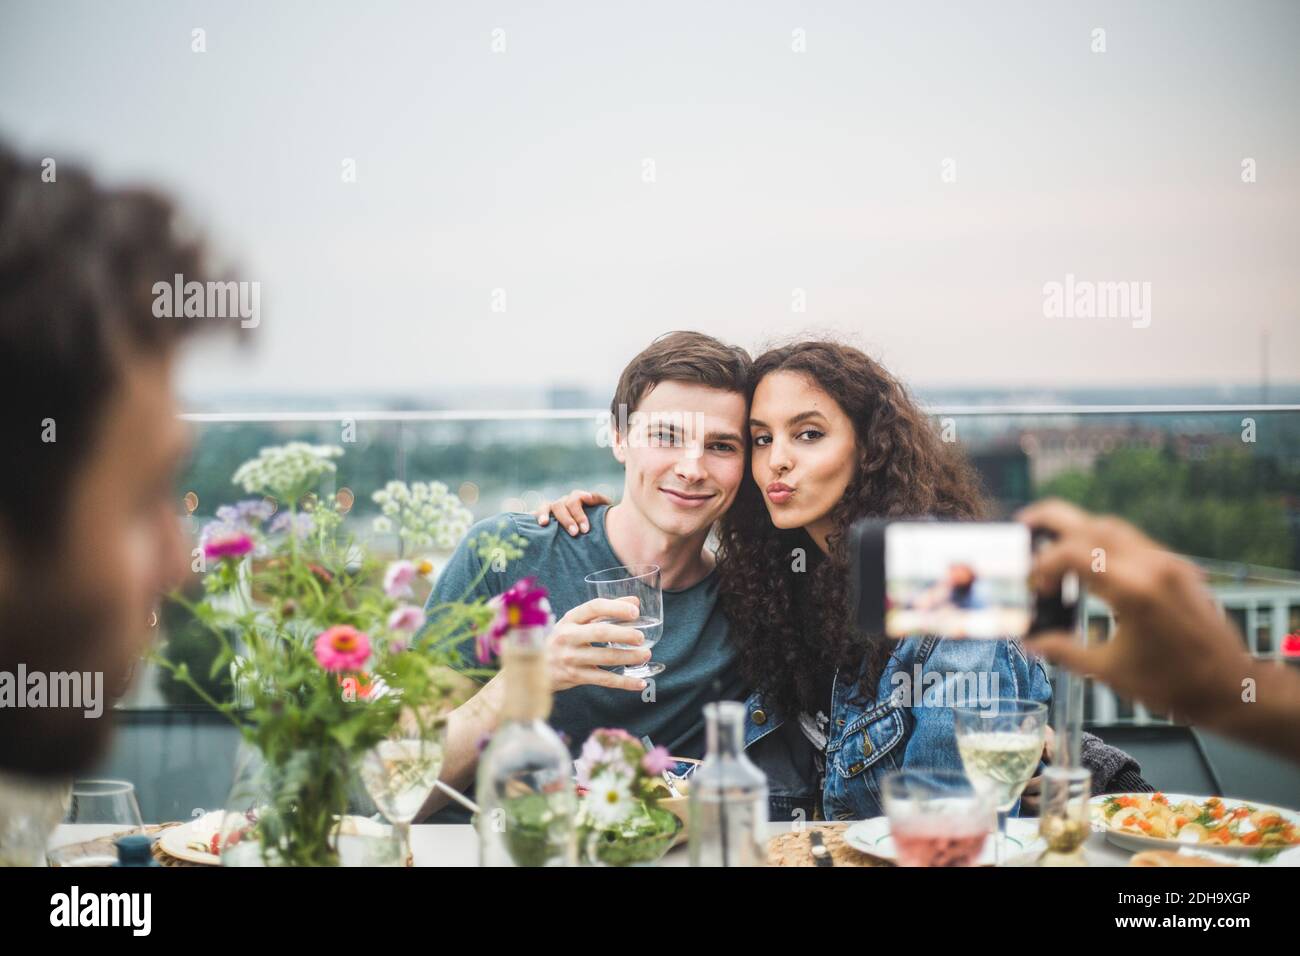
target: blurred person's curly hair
792 629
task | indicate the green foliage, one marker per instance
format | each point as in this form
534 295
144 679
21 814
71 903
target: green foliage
192 645
1229 506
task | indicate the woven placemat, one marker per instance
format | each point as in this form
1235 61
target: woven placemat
107 846
795 849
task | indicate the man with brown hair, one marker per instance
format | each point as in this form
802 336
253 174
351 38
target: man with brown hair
678 426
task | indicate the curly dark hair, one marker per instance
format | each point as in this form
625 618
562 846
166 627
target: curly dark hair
792 630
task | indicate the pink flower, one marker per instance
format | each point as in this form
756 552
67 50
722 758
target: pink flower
398 578
592 753
406 617
656 761
523 605
228 546
342 648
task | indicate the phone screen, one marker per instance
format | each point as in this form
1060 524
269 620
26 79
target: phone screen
957 579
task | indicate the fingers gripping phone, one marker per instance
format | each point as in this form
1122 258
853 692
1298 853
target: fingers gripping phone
953 579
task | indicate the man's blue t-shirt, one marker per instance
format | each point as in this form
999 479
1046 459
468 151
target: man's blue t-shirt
699 663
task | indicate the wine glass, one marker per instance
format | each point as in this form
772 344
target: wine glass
640 581
400 770
1000 745
937 817
106 809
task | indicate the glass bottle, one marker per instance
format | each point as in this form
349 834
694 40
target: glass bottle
728 795
527 801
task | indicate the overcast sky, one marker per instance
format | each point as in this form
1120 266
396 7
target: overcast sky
774 170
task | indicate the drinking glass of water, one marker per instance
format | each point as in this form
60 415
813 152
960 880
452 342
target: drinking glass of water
97 808
640 581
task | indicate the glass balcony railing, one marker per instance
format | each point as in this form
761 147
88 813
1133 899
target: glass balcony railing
1219 484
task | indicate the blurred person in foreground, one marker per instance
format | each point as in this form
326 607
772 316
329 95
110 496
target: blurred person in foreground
1171 649
89 522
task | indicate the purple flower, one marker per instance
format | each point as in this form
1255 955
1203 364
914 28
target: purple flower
398 578
246 512
233 521
299 525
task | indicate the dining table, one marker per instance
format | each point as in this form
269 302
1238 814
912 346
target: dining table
457 844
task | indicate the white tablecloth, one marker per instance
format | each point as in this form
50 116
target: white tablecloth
434 845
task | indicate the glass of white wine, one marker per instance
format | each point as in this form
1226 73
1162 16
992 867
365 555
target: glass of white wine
1001 743
401 770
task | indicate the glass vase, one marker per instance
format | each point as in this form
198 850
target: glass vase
286 810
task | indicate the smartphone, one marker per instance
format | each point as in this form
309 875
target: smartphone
952 579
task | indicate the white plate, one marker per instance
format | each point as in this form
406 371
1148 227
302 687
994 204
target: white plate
201 829
873 837
1132 841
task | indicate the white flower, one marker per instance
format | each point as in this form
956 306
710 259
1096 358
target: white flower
424 514
383 526
287 471
609 800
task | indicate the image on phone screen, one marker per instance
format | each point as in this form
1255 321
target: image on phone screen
957 579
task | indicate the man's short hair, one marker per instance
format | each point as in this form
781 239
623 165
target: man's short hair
690 357
77 266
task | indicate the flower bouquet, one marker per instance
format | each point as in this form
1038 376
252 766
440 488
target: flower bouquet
329 651
619 817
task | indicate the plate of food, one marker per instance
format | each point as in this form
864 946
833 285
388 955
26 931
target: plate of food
199 841
196 841
1172 821
873 838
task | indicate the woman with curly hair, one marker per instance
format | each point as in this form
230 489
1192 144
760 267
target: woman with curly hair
835 438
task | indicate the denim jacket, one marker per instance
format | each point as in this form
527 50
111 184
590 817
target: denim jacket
907 722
